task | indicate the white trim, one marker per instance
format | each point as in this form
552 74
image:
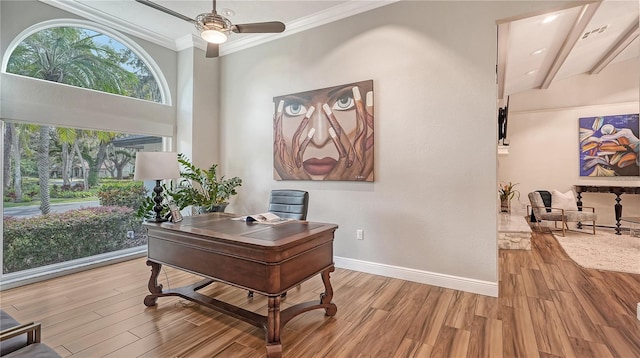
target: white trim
597 107
335 13
190 41
80 9
430 278
155 70
329 15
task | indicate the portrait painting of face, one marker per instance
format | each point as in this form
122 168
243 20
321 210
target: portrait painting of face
325 134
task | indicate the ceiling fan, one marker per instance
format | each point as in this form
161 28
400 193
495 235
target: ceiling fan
215 28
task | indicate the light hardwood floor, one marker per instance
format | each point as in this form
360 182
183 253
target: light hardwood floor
548 307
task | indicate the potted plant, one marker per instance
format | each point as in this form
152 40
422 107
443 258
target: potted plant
507 192
201 188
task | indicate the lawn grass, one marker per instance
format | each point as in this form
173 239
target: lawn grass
8 204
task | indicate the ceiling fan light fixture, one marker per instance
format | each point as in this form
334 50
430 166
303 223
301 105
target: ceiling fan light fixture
213 27
213 36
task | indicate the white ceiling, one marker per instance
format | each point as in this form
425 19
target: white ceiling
177 34
565 53
582 39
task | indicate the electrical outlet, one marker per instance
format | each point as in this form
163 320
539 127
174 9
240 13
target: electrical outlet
360 234
131 234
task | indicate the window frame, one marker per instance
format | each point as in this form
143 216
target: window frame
20 278
153 67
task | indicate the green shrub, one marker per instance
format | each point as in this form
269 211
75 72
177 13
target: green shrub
58 237
69 192
122 193
30 189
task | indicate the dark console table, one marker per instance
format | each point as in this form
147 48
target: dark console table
617 190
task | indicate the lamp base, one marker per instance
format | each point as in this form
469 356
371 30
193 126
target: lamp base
158 207
156 220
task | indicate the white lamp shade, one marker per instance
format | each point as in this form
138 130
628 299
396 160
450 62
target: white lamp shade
156 166
214 36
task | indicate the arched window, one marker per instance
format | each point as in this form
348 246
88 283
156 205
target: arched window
84 54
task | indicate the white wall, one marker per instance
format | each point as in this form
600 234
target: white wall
430 215
206 100
198 107
543 134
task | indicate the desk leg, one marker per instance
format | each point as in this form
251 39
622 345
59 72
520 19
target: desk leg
274 346
327 296
154 287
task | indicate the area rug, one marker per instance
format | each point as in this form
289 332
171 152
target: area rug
604 251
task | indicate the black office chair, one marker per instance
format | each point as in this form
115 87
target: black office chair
290 204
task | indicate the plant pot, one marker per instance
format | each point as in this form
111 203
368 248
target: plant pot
505 205
197 210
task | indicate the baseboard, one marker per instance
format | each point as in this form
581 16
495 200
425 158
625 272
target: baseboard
430 278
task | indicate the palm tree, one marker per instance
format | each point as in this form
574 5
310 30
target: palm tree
17 137
66 137
8 140
16 134
43 169
71 56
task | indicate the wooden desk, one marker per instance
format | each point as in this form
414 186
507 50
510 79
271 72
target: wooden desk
265 259
617 190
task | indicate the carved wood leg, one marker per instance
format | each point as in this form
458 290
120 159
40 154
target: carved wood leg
618 211
327 295
154 287
579 203
274 346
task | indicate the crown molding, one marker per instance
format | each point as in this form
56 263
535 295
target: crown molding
190 41
338 12
334 13
78 8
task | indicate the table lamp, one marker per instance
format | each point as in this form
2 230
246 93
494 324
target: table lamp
157 166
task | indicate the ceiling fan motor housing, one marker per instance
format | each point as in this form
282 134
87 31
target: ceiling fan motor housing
213 21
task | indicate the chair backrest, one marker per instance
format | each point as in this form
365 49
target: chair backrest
537 204
291 204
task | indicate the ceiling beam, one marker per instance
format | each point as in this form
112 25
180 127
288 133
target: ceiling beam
586 13
625 41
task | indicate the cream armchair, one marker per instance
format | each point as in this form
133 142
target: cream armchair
549 213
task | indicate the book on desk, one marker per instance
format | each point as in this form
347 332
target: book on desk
264 218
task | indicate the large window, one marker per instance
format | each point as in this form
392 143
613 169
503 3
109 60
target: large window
69 194
69 199
84 58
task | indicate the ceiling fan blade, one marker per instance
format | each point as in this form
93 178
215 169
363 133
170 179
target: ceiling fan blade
212 50
166 10
259 27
